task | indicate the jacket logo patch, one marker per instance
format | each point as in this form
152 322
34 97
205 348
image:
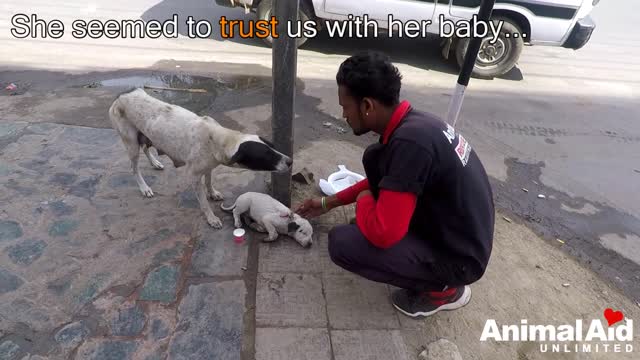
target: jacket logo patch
463 150
450 134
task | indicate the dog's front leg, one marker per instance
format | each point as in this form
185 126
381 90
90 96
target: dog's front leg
201 194
211 191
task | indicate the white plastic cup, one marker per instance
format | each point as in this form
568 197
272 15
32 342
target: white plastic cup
238 236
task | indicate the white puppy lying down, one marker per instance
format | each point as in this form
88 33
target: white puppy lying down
271 216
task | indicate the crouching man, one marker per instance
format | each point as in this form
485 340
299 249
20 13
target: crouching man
425 213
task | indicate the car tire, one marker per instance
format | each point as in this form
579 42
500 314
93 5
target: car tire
494 59
264 10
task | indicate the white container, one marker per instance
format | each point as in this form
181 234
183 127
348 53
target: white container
339 180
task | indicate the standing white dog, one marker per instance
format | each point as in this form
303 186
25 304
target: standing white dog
271 216
197 142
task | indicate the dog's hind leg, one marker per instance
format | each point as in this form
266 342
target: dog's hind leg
270 228
130 140
152 159
213 193
135 156
257 227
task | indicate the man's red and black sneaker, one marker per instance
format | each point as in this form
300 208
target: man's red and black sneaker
415 304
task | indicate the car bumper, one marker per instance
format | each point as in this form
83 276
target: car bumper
234 3
580 34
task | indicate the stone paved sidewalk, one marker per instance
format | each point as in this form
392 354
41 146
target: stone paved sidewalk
92 270
89 269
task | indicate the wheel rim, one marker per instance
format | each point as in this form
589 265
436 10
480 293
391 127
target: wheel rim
492 54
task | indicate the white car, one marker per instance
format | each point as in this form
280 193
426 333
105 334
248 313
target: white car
564 23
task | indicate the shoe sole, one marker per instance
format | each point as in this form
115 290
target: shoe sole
464 300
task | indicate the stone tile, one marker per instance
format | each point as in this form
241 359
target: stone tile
443 349
107 350
63 227
357 303
368 345
89 136
26 252
216 253
9 282
168 254
9 230
293 343
286 255
86 188
126 180
158 355
290 300
161 284
61 208
210 322
159 330
9 129
289 256
92 288
328 266
72 335
28 310
8 350
334 217
63 179
150 241
128 321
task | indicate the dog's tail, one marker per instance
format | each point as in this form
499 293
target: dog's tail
228 209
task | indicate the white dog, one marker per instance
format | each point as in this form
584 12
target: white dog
271 216
197 142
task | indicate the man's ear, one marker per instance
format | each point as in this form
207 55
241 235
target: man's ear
292 226
367 105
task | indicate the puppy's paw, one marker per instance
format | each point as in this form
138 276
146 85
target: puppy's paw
270 238
146 191
157 165
216 195
215 222
257 227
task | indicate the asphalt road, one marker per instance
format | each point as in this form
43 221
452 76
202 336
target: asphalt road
562 124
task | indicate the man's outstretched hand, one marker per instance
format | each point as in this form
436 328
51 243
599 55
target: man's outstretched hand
311 208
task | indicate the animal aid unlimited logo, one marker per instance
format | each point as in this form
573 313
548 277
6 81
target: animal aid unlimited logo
614 335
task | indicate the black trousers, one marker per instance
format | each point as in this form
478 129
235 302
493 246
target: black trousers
409 264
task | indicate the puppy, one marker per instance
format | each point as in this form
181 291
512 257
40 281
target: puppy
271 216
199 143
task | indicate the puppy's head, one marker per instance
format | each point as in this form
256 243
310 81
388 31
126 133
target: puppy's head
256 153
300 229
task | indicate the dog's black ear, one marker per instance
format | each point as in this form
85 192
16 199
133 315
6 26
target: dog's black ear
266 141
292 227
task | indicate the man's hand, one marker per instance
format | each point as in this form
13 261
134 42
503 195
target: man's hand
311 208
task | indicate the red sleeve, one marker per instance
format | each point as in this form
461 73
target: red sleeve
386 221
349 195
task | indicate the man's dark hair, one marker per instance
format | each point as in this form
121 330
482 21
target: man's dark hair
371 74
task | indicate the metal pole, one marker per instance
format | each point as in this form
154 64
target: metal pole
284 63
484 14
